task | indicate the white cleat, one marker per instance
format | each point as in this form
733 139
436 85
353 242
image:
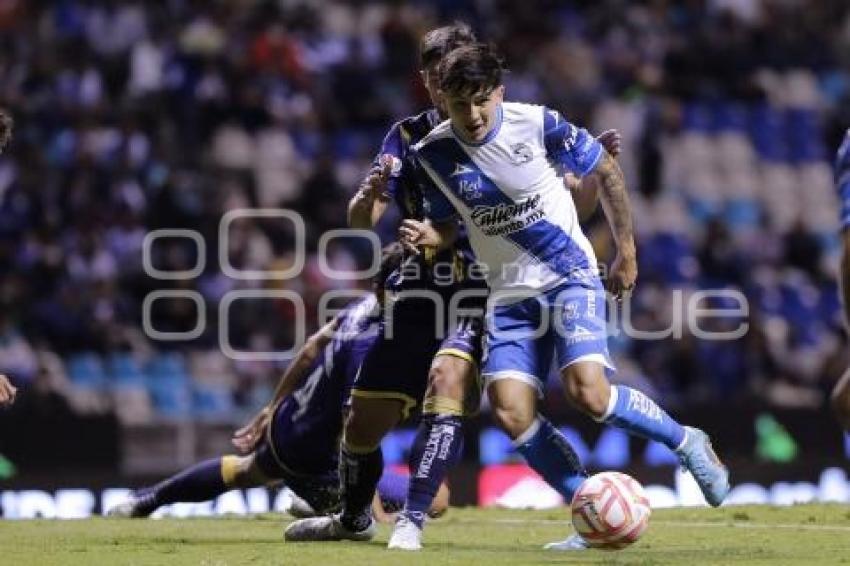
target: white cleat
300 509
406 535
325 528
572 542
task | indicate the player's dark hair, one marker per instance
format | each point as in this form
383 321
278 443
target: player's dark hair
391 256
471 69
435 44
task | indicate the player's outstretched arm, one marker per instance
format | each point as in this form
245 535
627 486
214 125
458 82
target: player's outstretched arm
7 391
370 201
246 438
615 203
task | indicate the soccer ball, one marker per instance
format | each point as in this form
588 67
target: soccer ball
610 510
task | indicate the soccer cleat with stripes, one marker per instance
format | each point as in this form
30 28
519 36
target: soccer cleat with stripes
698 457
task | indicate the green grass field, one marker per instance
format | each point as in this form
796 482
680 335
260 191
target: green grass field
805 534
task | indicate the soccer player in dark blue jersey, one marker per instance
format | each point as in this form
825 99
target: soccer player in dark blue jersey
841 394
391 381
295 438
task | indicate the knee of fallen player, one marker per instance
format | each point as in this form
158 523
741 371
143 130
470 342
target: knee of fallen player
441 502
587 388
446 378
241 471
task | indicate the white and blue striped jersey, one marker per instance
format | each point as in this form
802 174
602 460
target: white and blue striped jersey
508 190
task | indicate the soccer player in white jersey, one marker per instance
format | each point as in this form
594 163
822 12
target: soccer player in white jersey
496 165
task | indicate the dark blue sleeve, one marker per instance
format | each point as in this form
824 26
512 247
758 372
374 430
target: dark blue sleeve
435 204
569 147
394 144
842 179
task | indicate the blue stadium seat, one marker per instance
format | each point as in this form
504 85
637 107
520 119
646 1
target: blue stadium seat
742 213
768 133
125 371
170 366
701 211
170 400
86 370
730 116
212 402
697 117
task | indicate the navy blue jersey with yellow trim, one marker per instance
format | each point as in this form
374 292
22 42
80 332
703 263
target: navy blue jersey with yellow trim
306 426
443 272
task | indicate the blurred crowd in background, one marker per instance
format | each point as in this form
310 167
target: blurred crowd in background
134 116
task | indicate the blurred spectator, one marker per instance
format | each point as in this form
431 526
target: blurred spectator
134 116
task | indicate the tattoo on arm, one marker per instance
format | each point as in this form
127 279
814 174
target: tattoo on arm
615 200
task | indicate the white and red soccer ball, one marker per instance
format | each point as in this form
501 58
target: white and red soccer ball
610 510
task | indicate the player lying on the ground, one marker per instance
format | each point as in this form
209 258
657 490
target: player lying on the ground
295 438
531 242
841 393
382 395
7 391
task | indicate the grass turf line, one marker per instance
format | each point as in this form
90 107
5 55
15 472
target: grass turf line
734 535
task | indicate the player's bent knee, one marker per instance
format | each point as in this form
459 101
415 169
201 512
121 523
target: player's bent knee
587 388
513 419
449 376
242 471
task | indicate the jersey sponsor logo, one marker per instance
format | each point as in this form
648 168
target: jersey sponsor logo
470 189
508 218
521 153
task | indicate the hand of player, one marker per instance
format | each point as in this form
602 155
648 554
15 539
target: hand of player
246 438
611 140
374 186
414 233
623 274
7 391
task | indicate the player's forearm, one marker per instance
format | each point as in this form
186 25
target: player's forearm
615 203
363 214
296 371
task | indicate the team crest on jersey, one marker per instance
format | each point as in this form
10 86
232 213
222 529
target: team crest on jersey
521 153
571 310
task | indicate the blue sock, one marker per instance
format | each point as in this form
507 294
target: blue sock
549 453
437 447
393 489
633 411
201 482
359 474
